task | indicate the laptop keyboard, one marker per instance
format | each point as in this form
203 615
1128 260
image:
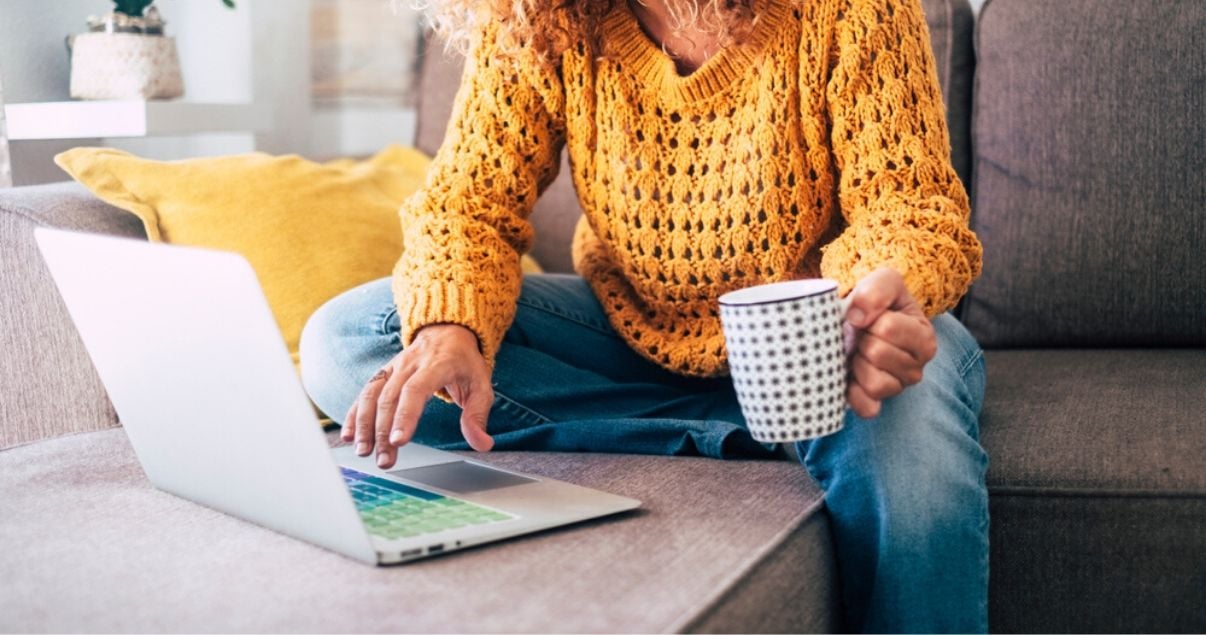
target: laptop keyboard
392 510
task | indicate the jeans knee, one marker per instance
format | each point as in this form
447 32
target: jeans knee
931 496
340 342
912 508
319 357
918 466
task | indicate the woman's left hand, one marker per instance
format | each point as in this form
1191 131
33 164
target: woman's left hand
889 340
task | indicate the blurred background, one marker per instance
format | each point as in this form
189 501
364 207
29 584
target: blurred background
321 78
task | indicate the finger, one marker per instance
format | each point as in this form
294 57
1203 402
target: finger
366 411
879 291
387 404
348 432
475 410
862 404
849 338
890 358
876 383
417 390
912 334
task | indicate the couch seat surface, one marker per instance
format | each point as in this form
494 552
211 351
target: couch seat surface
92 546
1103 420
1098 507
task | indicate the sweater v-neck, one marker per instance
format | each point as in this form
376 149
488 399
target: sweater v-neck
633 48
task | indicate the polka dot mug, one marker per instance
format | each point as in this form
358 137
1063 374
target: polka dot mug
786 357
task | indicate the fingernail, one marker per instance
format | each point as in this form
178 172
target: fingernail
395 437
362 448
382 459
855 316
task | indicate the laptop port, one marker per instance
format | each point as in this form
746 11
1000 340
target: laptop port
435 548
410 553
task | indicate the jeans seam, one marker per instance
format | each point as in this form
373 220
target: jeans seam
581 320
508 401
967 363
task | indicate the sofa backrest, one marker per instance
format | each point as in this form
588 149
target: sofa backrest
1089 188
950 24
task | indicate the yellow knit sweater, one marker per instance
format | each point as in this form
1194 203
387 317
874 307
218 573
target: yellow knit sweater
817 147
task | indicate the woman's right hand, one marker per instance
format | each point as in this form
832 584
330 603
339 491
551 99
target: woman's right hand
387 411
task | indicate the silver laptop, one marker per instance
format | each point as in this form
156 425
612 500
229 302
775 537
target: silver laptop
199 375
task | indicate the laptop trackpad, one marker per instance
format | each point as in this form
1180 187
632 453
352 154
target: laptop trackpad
462 477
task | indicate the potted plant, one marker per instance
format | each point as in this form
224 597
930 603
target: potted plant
126 55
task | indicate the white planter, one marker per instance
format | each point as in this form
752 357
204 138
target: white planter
124 66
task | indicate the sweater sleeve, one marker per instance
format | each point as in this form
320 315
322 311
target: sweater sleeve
465 230
903 204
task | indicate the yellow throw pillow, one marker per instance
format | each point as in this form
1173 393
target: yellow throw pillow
310 230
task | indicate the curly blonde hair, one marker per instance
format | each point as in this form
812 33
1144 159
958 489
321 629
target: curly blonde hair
546 28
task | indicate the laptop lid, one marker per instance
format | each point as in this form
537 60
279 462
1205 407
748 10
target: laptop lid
199 375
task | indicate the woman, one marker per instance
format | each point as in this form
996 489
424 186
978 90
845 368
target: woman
714 146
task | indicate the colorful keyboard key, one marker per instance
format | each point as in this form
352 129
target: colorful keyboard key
396 511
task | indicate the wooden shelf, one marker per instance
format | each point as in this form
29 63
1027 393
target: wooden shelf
103 119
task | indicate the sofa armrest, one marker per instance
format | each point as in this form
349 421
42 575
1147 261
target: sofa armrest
48 386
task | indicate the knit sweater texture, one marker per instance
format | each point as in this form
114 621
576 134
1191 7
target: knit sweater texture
817 147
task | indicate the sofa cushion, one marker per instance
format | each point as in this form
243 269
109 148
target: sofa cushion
48 386
1098 496
310 230
1096 564
101 550
1088 181
950 23
1105 420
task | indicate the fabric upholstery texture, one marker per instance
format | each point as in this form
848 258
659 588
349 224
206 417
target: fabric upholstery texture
1089 175
555 215
794 571
1098 493
1117 421
1096 563
104 551
48 385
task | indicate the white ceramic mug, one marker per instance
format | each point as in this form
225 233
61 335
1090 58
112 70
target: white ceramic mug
787 358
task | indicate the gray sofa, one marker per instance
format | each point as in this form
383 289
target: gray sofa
1076 126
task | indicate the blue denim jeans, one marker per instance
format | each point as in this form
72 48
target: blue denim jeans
905 492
